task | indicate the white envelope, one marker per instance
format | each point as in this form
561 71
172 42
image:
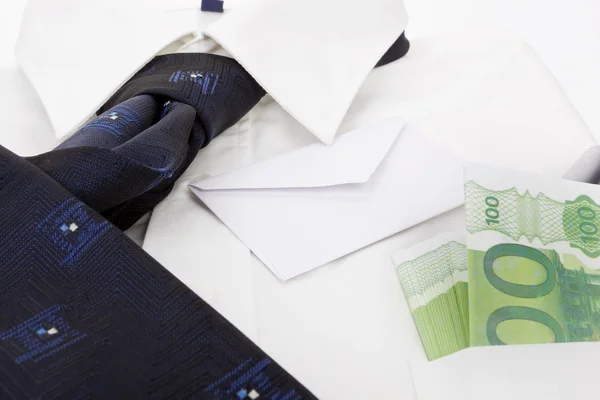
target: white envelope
303 209
525 372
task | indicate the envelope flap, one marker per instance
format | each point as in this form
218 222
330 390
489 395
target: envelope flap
352 159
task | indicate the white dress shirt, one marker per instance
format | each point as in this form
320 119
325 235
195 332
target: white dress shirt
297 50
343 330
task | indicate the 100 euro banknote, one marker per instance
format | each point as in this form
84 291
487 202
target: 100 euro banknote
532 261
533 246
433 276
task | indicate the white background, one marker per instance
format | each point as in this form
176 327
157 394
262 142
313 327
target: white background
566 33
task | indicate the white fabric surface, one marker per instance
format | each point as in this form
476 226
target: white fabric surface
344 329
26 128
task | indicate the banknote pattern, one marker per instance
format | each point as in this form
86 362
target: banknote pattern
435 287
541 217
521 295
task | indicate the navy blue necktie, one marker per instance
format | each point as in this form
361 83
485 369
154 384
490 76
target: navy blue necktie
86 313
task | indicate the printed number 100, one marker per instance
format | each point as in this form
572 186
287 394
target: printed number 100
492 212
587 227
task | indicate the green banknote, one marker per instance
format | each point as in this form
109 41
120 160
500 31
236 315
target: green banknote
521 295
518 215
433 277
533 267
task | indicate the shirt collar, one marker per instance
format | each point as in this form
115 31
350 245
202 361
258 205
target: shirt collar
310 55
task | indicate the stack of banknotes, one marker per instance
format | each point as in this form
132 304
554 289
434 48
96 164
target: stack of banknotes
526 271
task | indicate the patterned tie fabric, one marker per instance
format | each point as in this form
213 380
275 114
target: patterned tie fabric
127 160
85 312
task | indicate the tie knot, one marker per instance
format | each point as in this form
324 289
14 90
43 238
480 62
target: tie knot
126 161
